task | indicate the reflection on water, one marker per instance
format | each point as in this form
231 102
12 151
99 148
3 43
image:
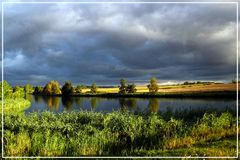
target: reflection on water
67 102
28 97
153 105
52 103
136 105
94 102
128 102
37 99
78 101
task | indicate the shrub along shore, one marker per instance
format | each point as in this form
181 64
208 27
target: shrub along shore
15 105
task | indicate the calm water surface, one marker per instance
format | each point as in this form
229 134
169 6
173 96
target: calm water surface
59 104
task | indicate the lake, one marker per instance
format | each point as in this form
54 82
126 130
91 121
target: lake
135 105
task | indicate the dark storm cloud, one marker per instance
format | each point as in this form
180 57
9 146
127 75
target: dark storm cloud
106 42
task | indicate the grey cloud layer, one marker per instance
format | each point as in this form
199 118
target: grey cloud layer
105 42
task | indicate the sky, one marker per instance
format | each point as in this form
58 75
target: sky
102 43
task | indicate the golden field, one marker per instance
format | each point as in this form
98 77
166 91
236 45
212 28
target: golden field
177 88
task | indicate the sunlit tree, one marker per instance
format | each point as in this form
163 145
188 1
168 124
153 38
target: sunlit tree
123 86
47 89
16 89
7 90
78 89
28 88
56 88
38 90
52 87
131 88
153 86
94 88
17 92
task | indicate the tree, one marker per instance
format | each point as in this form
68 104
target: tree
153 86
17 92
16 89
56 88
28 88
67 88
38 90
47 89
7 90
123 87
131 88
78 89
52 87
94 88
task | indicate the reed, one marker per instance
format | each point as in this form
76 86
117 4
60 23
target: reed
113 134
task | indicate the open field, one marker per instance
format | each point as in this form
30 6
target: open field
177 88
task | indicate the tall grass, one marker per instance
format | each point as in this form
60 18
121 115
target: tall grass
111 134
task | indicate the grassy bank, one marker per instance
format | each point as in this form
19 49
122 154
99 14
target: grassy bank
15 105
117 134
